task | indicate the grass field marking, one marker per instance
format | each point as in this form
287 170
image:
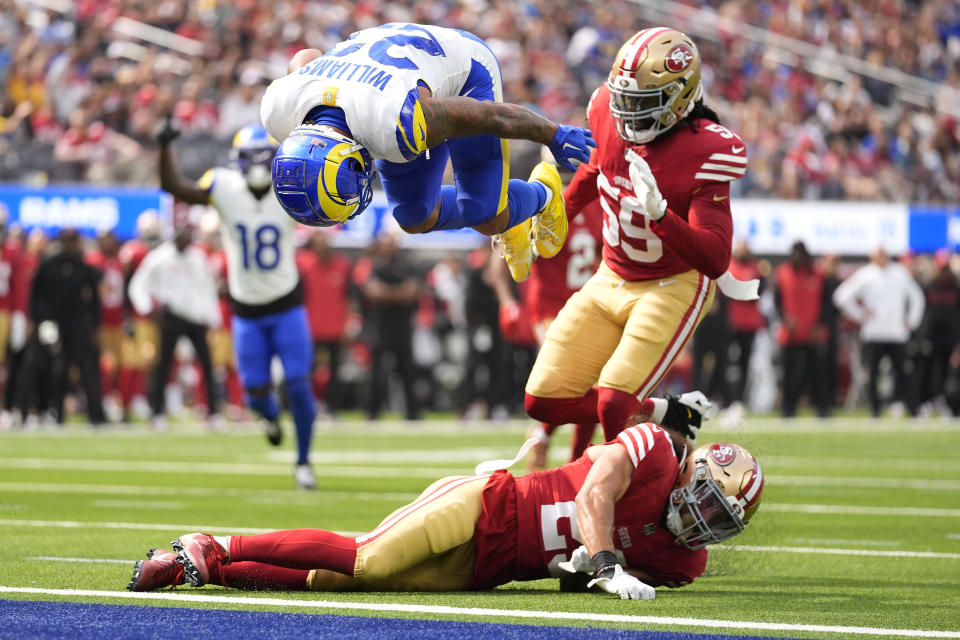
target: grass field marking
842 552
138 526
137 504
225 468
863 511
81 560
919 465
865 543
478 612
73 524
953 536
919 484
251 495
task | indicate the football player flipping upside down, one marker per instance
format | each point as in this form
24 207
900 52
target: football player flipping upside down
662 172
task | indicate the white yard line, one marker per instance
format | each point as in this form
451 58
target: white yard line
865 543
481 613
137 504
863 511
840 552
859 482
250 495
81 560
226 468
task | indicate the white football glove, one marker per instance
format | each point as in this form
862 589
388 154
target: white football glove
579 562
624 585
645 186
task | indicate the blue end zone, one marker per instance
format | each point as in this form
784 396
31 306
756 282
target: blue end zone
69 621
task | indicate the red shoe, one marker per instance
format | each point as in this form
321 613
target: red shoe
161 569
200 556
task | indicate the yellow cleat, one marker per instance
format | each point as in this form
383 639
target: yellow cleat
515 247
550 225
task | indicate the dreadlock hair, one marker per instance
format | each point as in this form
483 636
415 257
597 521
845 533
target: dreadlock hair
700 110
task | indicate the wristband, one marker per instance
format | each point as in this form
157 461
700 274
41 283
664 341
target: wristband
604 561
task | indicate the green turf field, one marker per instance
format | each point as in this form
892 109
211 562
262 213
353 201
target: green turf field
858 533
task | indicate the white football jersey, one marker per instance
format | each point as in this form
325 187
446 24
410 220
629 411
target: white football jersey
257 238
373 77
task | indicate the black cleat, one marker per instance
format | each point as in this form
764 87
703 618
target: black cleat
273 432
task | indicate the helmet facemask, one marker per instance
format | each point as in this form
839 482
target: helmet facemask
654 83
255 163
703 510
701 514
640 115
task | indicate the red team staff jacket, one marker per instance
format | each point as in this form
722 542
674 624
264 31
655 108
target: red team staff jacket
693 170
529 523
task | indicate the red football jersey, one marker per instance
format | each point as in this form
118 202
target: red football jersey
23 280
111 287
554 280
693 170
218 267
9 259
529 524
132 254
325 294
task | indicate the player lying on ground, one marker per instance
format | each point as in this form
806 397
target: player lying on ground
407 98
639 511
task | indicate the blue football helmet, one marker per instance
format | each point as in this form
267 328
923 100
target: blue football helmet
321 177
252 154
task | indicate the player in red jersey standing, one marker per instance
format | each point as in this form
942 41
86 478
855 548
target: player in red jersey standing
325 276
141 338
633 514
662 171
106 258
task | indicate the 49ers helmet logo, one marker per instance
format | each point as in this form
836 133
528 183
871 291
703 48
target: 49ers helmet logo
723 454
679 58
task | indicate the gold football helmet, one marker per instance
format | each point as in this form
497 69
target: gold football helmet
718 491
654 83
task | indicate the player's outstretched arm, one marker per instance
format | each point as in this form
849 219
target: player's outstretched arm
458 117
171 180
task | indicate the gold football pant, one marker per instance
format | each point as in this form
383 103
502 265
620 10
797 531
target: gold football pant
426 545
619 335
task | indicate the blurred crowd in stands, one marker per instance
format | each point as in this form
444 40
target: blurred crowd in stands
87 82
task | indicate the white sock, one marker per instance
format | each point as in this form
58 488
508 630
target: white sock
546 203
223 541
